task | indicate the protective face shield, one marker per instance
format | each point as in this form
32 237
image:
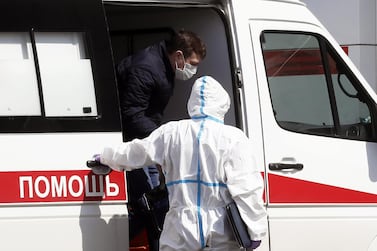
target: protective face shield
187 72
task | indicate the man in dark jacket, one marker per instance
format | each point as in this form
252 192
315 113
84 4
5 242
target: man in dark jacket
146 83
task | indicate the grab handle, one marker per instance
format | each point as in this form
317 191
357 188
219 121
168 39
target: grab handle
93 163
284 166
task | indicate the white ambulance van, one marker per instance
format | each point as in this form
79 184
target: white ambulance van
309 113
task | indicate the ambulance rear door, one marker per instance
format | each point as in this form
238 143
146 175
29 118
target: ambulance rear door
319 139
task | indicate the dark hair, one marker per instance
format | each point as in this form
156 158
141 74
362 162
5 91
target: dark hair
188 42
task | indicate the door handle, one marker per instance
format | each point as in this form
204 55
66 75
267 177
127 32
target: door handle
284 166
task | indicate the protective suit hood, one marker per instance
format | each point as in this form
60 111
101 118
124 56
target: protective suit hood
208 99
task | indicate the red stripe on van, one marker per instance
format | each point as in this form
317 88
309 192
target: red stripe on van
287 190
61 186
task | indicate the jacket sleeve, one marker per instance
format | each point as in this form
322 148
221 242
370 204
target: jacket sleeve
135 154
245 185
137 89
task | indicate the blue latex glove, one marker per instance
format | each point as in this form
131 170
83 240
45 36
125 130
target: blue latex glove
254 245
97 167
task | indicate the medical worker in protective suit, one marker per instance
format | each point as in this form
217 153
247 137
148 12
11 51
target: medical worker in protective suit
206 165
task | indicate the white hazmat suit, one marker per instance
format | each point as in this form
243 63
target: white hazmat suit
206 164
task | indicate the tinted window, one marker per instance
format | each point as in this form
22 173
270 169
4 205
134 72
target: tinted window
67 88
18 80
66 74
56 67
311 89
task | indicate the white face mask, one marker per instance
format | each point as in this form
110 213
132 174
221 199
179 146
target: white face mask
186 73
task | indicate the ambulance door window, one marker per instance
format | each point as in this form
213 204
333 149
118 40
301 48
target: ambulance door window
66 74
311 89
19 94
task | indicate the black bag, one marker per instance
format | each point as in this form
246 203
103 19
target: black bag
238 226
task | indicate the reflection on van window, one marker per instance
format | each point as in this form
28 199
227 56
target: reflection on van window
311 90
19 94
66 74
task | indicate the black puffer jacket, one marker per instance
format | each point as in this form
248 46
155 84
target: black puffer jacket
146 83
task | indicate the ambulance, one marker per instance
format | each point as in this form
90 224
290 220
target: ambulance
309 113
